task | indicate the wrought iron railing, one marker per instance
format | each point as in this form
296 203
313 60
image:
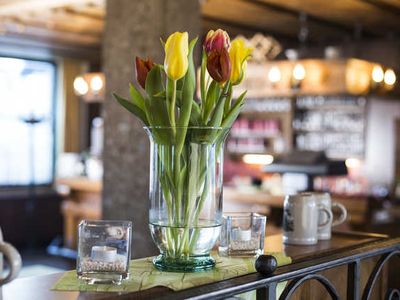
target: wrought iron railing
302 271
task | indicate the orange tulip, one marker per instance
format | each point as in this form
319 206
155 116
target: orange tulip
143 67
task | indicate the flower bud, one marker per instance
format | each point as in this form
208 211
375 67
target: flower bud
176 60
216 40
239 53
143 67
219 65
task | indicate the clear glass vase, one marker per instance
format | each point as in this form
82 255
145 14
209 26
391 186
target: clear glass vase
185 195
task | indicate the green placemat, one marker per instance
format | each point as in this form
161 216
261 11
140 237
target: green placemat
143 275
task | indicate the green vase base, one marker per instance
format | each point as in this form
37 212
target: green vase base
192 264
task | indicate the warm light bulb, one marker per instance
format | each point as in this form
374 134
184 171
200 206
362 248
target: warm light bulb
377 74
80 86
390 77
96 83
258 159
352 163
274 74
299 73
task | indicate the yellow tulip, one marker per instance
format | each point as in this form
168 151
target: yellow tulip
238 54
176 55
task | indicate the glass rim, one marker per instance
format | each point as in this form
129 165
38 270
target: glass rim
124 223
187 127
243 215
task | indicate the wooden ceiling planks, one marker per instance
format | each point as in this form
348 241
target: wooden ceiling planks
10 7
71 22
252 14
371 17
81 22
49 35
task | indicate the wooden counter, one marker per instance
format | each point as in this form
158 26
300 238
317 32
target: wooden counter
83 201
332 259
261 201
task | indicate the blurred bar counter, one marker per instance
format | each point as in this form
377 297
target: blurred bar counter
82 200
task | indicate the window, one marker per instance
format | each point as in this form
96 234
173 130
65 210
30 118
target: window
26 121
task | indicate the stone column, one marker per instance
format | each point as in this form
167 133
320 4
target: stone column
134 28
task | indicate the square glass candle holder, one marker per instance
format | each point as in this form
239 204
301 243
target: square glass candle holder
104 251
242 234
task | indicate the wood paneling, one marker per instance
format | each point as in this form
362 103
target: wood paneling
68 22
72 68
256 15
348 12
81 22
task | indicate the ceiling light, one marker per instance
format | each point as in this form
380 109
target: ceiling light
258 159
299 73
96 83
377 74
274 74
352 163
80 86
390 77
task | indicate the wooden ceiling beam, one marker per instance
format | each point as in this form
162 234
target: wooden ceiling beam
60 20
237 28
37 48
357 14
385 6
95 14
11 28
250 14
11 7
311 18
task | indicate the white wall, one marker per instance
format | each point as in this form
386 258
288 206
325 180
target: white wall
380 140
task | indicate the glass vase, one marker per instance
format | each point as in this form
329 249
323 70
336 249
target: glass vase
186 165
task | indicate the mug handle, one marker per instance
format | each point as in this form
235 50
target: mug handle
328 220
14 260
343 216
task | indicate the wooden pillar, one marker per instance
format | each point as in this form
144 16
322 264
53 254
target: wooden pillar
134 28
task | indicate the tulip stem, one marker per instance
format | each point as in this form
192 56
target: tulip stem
172 105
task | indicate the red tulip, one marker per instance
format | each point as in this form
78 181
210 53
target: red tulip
216 40
219 65
143 67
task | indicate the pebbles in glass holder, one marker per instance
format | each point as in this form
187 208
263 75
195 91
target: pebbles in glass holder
242 234
104 250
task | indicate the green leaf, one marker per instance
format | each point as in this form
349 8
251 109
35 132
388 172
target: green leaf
154 81
162 42
218 113
213 94
133 108
228 101
156 111
188 90
195 116
161 94
234 112
136 97
203 76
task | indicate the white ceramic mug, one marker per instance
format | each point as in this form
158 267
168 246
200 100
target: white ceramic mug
13 258
301 219
325 200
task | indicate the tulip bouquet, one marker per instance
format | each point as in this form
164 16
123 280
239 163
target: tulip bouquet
184 131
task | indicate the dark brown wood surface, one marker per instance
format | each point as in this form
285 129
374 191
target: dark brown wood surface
39 287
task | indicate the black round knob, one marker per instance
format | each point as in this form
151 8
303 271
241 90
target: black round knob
266 264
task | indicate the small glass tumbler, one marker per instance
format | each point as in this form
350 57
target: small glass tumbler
104 251
242 234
